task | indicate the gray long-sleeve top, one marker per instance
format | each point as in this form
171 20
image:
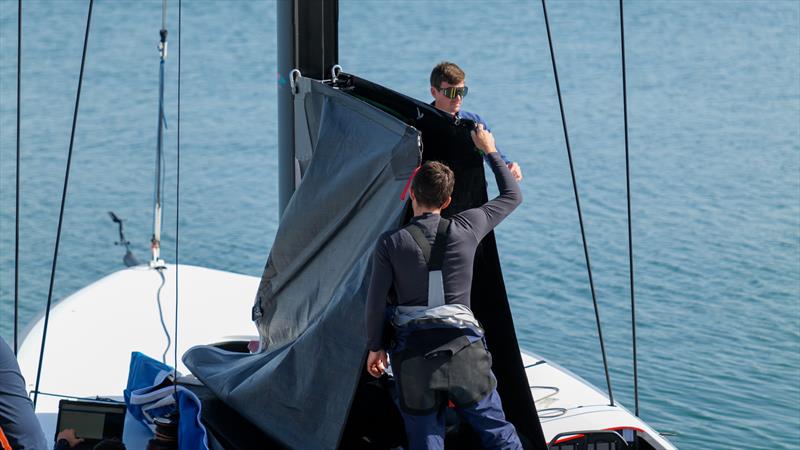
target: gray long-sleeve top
398 260
17 419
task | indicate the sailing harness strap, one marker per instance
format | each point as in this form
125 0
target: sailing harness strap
439 353
434 257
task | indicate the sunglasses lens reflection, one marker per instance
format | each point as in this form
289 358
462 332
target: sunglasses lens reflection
453 92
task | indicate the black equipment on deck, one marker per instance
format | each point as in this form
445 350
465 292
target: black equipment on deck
92 421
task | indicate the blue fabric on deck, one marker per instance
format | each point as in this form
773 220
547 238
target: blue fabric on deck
151 393
191 432
143 373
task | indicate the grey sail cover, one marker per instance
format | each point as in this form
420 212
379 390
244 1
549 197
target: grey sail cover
310 305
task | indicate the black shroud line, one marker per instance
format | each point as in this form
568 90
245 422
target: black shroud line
449 141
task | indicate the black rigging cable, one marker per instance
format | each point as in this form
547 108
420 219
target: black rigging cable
16 209
177 201
578 204
630 232
63 201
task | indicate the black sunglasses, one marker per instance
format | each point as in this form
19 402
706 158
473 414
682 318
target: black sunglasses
452 92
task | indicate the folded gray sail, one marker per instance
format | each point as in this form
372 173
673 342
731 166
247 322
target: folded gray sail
309 306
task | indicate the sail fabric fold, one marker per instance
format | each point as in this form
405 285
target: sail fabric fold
309 305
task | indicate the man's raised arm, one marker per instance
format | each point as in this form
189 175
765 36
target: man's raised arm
484 218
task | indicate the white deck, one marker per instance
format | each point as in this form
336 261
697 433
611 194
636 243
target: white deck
577 405
93 332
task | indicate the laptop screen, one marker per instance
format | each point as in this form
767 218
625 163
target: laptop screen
91 420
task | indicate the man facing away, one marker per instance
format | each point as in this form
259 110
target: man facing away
448 89
438 352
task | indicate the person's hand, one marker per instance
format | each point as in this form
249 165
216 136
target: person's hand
483 139
516 170
68 434
377 363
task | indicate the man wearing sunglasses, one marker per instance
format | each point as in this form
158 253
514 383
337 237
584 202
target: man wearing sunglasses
448 91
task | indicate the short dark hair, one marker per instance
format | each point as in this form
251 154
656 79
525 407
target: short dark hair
433 184
446 71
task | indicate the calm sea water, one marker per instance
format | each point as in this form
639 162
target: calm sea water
714 111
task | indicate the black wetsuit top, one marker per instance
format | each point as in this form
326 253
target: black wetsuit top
398 260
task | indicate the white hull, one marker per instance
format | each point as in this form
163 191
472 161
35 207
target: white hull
566 402
92 333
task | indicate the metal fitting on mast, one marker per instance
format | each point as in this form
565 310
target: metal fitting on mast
162 46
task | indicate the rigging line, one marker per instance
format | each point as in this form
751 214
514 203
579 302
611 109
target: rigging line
160 271
16 208
63 202
630 227
164 15
78 397
578 205
160 156
177 202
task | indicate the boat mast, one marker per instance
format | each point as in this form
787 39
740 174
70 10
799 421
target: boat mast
308 40
155 241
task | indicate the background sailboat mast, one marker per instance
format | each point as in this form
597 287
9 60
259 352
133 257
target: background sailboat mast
308 40
155 242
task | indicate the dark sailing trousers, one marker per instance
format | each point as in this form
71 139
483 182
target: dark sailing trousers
425 427
485 417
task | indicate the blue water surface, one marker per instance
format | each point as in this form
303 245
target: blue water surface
714 122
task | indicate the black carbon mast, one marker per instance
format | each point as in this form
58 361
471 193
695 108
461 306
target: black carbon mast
308 41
